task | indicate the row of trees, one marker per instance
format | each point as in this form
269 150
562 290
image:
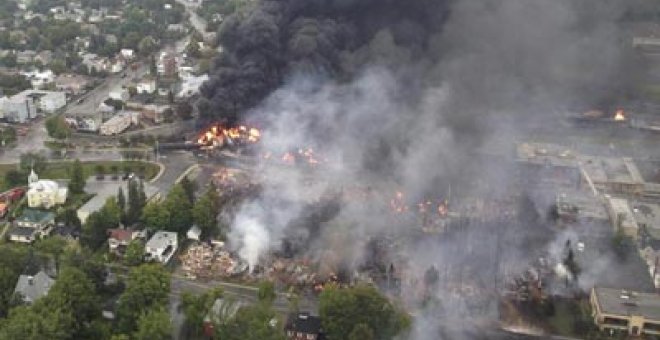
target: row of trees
181 209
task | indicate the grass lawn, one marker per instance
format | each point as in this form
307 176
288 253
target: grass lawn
61 170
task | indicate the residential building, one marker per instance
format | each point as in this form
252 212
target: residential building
44 193
626 312
146 85
178 28
303 326
44 57
25 57
32 288
39 79
621 216
119 93
127 54
118 239
190 85
68 232
166 64
32 225
161 246
71 83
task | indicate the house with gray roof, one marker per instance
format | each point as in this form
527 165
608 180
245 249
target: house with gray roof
31 288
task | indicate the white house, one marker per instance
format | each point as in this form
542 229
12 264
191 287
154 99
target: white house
39 79
44 193
119 93
127 53
146 85
161 246
190 85
119 123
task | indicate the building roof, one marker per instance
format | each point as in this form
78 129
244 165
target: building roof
582 204
304 323
546 154
648 214
619 170
34 287
162 239
618 302
121 234
36 216
66 231
194 232
22 231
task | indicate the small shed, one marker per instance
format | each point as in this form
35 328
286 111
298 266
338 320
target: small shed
194 233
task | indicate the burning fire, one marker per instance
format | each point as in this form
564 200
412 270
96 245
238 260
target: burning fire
219 135
620 115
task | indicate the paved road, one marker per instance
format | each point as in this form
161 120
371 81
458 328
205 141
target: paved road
242 293
198 23
94 98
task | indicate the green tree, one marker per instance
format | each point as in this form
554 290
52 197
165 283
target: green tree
154 324
266 292
205 212
121 200
361 332
253 322
147 287
74 293
134 253
136 201
32 161
94 232
156 216
100 171
190 187
57 128
180 208
77 182
69 217
35 323
342 310
196 307
147 46
15 178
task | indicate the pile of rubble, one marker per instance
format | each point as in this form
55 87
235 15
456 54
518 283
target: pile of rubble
208 262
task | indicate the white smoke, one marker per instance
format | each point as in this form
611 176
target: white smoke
249 236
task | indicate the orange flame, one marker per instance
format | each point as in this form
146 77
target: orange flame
620 116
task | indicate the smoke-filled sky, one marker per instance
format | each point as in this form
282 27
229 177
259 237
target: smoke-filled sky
400 94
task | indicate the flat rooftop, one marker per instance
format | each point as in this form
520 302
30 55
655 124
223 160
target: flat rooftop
616 170
546 154
618 302
584 204
647 214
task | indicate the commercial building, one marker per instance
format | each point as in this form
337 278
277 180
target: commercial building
611 175
625 312
579 206
548 164
161 246
621 216
647 216
119 123
30 104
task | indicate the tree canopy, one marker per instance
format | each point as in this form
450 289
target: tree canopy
147 288
342 310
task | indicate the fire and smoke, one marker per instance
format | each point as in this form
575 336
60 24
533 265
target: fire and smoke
219 135
403 94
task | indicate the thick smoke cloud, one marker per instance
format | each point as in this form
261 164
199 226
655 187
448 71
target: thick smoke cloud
404 95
